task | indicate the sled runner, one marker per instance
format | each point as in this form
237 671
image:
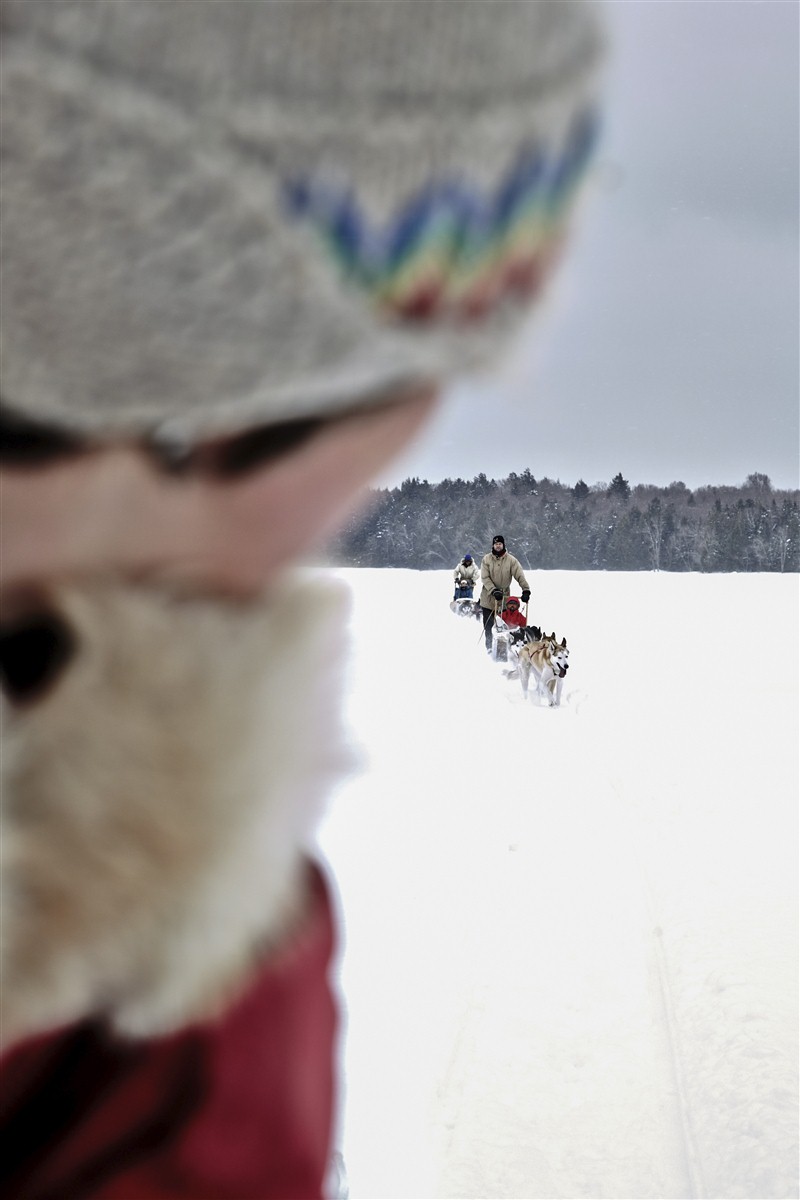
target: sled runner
500 638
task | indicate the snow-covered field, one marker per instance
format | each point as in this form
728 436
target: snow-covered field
571 934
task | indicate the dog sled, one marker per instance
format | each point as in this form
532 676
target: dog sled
538 660
500 640
506 620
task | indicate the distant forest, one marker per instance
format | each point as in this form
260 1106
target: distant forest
549 525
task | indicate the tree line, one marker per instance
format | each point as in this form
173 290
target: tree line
550 525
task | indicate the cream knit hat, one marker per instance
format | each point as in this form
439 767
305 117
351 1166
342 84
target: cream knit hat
222 213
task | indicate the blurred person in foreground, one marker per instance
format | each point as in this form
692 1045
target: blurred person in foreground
243 245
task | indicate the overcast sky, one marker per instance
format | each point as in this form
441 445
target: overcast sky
669 346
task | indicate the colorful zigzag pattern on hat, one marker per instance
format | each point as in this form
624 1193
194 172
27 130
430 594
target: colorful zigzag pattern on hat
451 252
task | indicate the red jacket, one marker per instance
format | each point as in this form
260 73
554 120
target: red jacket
238 1109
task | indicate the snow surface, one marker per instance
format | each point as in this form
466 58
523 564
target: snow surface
571 934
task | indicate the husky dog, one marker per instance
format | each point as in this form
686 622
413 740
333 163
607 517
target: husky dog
530 633
465 606
516 640
547 660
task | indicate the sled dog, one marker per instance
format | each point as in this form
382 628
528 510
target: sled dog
530 633
547 661
465 607
517 638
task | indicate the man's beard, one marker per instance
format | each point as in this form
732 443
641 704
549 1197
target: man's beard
157 801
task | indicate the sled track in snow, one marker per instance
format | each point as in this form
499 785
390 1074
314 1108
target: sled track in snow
663 1000
694 1172
693 1165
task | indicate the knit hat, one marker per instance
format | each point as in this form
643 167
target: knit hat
498 537
222 214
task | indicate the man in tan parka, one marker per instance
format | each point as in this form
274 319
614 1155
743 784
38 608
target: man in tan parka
498 568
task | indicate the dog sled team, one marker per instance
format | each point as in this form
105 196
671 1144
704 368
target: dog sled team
507 635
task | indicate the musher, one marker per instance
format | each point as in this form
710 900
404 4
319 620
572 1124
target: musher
498 568
466 575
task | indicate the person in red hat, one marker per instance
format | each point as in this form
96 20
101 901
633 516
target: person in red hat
512 613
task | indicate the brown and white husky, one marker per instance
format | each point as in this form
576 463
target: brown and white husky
547 660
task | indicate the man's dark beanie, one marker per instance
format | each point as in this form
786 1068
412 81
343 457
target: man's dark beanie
498 537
